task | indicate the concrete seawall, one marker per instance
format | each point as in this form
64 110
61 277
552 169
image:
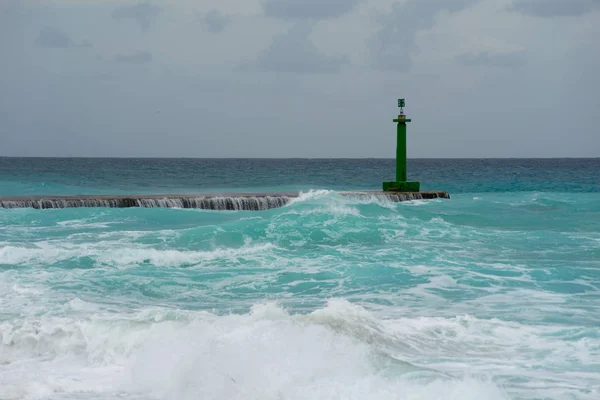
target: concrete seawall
204 201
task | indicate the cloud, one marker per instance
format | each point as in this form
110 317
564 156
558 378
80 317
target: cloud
141 57
297 63
555 8
307 9
53 38
293 51
143 13
9 7
486 59
214 21
395 42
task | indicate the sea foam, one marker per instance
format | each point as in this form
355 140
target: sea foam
267 353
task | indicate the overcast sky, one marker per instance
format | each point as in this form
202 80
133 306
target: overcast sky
299 78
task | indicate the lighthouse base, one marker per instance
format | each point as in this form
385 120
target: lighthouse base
401 186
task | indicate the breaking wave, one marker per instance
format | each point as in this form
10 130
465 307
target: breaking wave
341 351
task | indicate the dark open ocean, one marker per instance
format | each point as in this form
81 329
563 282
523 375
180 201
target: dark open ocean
492 294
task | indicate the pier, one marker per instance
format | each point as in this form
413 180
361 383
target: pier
203 201
392 191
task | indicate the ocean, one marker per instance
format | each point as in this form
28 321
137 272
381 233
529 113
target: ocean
491 294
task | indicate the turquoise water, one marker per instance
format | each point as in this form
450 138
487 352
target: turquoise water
493 294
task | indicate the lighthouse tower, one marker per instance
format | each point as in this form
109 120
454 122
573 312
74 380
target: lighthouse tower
401 184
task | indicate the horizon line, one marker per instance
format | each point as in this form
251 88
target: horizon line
300 158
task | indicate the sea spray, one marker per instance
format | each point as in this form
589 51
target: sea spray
266 353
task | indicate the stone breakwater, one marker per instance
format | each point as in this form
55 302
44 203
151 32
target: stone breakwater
221 202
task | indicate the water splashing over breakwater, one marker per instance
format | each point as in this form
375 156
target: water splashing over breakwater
221 202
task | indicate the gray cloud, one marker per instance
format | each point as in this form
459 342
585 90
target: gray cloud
307 9
214 21
295 52
79 105
141 57
393 45
486 59
53 38
9 7
143 13
555 8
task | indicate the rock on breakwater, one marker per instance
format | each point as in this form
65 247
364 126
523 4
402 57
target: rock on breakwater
221 202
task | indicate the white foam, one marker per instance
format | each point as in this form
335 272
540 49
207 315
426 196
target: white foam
269 354
340 351
173 258
312 195
325 202
265 354
85 223
328 201
108 253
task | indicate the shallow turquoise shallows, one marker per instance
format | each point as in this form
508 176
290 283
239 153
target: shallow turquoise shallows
493 294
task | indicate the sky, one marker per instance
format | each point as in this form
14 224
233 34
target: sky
299 78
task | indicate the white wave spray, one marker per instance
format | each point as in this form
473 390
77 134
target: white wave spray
265 354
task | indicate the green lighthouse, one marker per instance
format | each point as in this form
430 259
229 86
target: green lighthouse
401 185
